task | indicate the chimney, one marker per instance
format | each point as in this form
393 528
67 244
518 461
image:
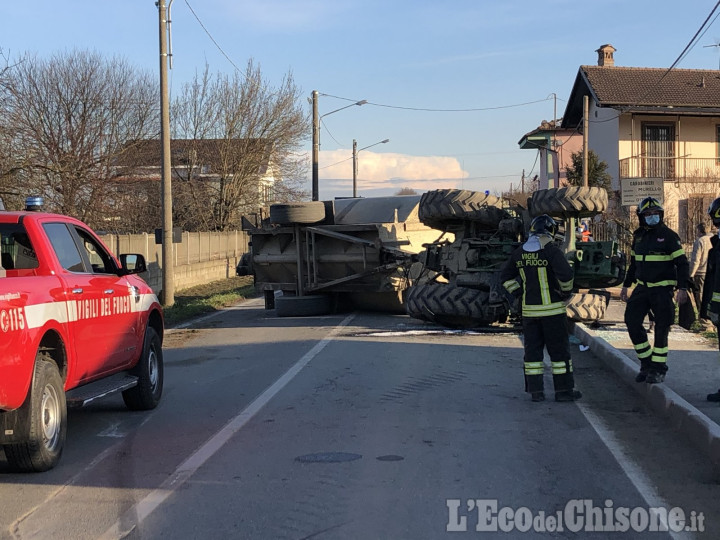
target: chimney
605 55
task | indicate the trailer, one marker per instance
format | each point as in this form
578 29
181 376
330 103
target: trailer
314 257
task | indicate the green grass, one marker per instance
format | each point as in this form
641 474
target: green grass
196 301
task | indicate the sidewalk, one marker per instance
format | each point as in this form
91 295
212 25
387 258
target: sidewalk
694 372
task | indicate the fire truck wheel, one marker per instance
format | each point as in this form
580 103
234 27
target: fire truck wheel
452 306
149 371
48 421
578 201
303 306
443 207
586 307
304 212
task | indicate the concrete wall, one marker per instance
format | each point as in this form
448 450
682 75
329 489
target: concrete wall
201 257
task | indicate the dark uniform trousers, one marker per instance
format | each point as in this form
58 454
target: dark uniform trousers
660 301
550 332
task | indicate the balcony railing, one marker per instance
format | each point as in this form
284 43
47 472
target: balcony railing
677 169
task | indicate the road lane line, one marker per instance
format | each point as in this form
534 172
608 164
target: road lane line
135 515
634 473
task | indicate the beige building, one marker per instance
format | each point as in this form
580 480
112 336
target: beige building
555 146
654 123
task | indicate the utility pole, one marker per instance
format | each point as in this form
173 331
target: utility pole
354 154
315 146
586 123
168 270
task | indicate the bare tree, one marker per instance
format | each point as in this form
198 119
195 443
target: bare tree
406 191
11 160
236 130
71 118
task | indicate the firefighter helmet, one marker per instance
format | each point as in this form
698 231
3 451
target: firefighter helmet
543 225
714 212
647 205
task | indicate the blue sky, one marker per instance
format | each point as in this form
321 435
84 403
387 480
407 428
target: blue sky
399 55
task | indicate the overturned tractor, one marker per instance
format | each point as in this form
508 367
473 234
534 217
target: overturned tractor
456 283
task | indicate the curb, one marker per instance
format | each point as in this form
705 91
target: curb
702 432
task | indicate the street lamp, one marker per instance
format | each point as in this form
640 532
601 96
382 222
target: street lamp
355 153
316 139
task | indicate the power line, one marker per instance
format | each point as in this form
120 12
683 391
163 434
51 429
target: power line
219 48
424 109
687 49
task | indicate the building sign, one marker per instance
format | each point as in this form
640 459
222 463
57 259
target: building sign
635 190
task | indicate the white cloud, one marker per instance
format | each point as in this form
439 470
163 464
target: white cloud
375 167
385 174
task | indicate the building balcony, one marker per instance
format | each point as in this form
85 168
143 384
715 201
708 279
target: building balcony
673 169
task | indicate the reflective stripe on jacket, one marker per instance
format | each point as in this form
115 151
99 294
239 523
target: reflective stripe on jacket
543 276
657 259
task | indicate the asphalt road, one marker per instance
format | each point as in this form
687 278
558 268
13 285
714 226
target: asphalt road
362 426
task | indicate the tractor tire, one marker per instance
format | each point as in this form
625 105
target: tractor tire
305 213
586 308
441 207
303 306
578 201
451 306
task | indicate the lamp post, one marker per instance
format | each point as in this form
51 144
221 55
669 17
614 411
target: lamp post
316 139
354 155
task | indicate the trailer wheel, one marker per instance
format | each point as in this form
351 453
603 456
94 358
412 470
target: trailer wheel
452 306
149 371
303 306
305 212
586 307
449 206
48 421
579 201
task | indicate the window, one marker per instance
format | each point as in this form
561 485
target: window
100 261
658 149
16 252
64 246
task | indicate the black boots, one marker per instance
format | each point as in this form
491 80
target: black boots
715 398
650 377
537 396
654 377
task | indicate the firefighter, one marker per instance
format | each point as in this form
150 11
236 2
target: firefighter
711 291
658 266
538 272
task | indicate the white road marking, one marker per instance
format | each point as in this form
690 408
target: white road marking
113 431
135 515
634 473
